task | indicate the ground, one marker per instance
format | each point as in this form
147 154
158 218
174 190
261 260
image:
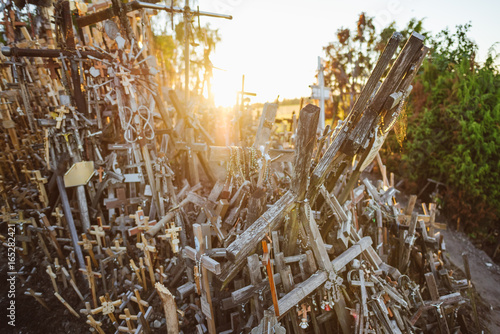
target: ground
485 276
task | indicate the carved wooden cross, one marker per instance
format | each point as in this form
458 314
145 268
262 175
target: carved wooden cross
173 236
91 278
107 308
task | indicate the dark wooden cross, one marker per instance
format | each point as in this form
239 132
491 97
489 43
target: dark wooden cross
101 68
121 202
52 66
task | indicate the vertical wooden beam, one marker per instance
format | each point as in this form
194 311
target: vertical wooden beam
198 234
169 307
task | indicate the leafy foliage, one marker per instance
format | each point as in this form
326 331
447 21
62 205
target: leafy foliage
454 129
169 32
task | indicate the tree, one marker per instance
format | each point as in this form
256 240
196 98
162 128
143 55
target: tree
351 58
453 130
202 42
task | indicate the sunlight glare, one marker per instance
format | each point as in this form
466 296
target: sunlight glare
225 87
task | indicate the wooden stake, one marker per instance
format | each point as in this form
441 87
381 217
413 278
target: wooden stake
169 307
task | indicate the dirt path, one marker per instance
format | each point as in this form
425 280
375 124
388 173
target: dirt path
485 275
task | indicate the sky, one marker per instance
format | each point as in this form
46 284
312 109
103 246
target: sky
275 44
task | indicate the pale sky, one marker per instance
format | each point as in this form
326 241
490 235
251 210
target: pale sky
275 44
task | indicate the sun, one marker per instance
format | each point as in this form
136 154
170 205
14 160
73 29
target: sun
225 87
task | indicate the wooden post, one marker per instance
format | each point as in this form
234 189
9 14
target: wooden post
206 300
255 278
169 307
266 260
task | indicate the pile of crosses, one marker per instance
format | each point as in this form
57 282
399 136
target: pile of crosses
113 195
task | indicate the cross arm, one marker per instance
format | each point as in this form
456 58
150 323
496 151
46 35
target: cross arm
206 261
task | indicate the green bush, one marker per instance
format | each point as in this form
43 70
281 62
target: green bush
453 131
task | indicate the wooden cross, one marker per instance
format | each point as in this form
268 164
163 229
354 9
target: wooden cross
95 324
142 222
173 236
137 299
91 278
100 171
143 274
304 308
119 251
52 66
121 202
123 226
51 233
206 298
61 116
107 308
137 272
161 274
147 248
40 181
101 68
88 245
99 233
101 225
20 221
128 318
9 30
59 215
59 272
37 296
